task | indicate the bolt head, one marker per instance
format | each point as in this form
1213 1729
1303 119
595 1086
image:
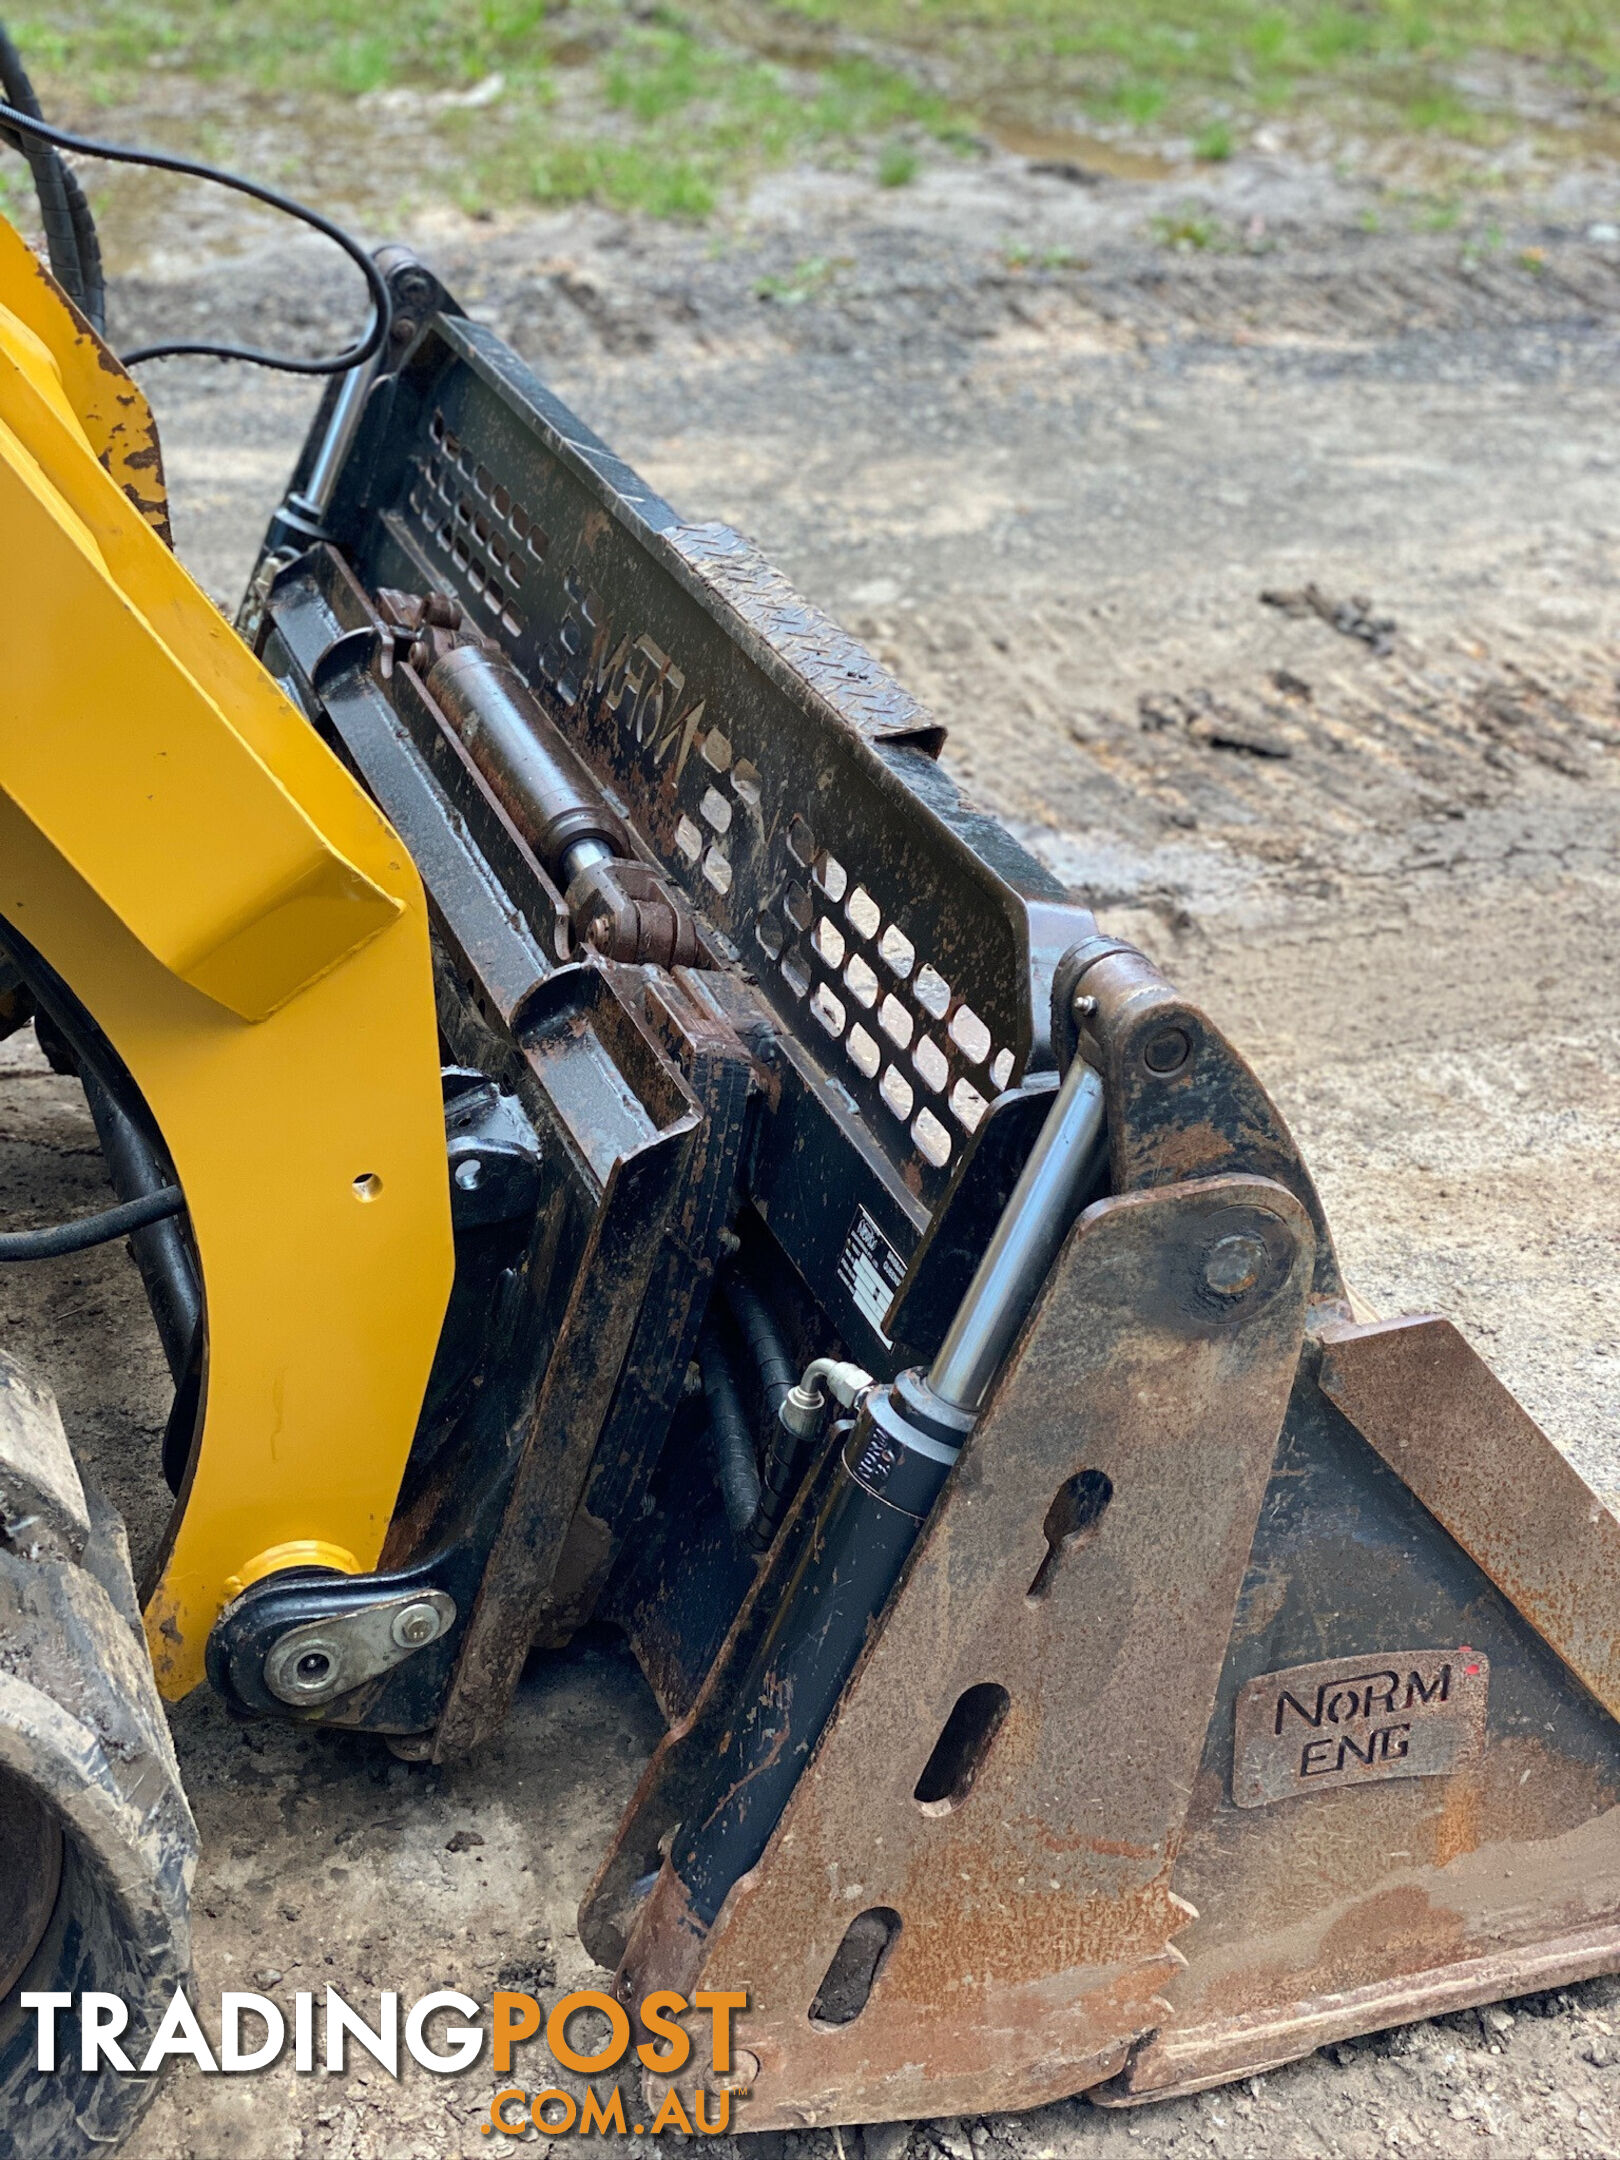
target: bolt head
740 2078
470 1174
1234 1264
308 1672
415 1625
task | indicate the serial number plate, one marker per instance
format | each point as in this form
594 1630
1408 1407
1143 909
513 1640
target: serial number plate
871 1271
1397 1713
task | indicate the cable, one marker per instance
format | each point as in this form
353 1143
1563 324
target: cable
22 123
114 1222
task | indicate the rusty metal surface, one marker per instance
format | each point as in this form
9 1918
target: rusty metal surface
1447 1427
712 1061
604 1098
679 1767
1193 2058
1037 1914
1181 1102
1370 1903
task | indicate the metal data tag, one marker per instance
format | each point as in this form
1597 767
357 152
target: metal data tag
1394 1713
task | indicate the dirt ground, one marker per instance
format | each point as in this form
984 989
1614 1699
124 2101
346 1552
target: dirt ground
1048 464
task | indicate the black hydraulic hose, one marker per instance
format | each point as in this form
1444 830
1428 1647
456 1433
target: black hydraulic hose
757 1325
729 1436
132 1146
140 1172
63 211
91 272
114 1222
160 1249
777 1372
15 121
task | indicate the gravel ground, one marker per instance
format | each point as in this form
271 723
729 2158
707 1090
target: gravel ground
1047 464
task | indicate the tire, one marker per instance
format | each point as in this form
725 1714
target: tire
98 1847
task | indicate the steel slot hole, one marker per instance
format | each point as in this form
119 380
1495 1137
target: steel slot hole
960 1750
857 1963
1078 1506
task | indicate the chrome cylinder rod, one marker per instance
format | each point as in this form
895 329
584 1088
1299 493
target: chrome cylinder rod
314 498
1033 1225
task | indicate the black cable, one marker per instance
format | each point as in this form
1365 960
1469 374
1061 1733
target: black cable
62 208
114 1222
193 169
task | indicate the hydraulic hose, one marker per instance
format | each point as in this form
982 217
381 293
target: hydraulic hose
756 1323
729 1436
92 273
114 1222
773 1361
161 1253
70 231
140 1173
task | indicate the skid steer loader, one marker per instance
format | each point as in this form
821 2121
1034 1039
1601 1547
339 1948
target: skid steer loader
607 1130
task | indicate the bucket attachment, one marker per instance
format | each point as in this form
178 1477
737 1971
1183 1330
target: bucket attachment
1187 1746
1159 1672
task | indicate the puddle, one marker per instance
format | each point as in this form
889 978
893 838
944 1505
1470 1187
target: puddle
1089 156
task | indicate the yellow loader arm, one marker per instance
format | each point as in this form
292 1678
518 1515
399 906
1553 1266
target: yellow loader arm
180 847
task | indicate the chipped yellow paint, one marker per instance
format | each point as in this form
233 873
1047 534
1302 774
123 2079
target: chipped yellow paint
111 408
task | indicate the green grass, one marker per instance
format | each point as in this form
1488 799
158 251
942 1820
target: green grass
682 119
672 110
671 116
804 281
348 46
1188 231
1159 61
897 164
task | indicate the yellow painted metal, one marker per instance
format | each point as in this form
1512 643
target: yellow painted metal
303 1552
252 937
111 408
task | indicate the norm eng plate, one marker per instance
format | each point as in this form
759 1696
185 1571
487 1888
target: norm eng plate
1393 1713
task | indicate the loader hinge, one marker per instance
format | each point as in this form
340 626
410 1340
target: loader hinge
312 1644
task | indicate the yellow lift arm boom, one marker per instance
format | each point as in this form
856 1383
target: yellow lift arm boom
252 938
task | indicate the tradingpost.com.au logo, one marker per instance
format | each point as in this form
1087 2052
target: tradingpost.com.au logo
443 2032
